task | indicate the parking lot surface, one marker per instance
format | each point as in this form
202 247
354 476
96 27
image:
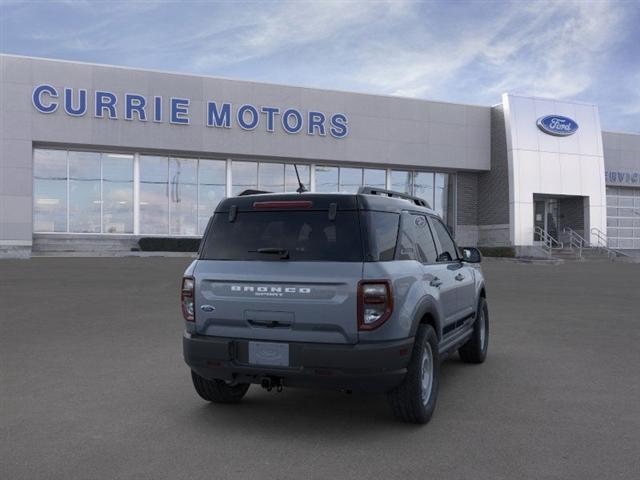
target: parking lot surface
93 385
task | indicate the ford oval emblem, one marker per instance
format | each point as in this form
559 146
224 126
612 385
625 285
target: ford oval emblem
557 125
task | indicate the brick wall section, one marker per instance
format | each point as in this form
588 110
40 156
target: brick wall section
467 190
493 186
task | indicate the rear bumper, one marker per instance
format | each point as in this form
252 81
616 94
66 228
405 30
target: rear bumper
371 367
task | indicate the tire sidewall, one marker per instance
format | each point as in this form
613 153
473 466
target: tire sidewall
428 335
432 339
483 315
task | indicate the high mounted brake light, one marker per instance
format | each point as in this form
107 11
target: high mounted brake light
187 298
289 204
375 303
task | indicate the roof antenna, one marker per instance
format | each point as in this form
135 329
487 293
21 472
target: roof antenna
301 188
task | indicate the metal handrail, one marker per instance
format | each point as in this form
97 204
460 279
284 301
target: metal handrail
603 244
549 243
576 240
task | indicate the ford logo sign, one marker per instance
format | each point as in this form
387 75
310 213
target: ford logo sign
557 125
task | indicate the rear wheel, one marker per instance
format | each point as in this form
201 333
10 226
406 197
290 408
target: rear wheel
475 350
415 399
218 391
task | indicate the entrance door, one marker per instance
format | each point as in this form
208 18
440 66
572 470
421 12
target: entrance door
545 216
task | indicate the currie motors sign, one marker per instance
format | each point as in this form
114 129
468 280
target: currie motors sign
557 125
131 106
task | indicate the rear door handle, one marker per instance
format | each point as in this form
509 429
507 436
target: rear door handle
436 282
459 277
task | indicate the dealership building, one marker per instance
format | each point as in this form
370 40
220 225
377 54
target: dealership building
95 157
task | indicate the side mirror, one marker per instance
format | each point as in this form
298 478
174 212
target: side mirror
471 255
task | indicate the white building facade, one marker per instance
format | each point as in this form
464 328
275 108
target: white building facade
95 157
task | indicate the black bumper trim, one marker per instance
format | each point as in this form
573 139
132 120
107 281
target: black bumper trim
376 366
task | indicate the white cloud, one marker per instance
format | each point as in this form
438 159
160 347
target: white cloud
261 32
545 49
563 52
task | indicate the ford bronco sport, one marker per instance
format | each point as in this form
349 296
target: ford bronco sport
363 291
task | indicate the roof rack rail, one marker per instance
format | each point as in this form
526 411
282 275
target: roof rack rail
251 191
393 194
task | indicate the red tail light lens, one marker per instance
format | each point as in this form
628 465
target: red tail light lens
375 303
187 298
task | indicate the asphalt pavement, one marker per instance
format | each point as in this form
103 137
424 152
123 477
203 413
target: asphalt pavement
93 386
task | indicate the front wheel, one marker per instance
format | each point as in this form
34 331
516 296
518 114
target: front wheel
414 400
475 350
218 391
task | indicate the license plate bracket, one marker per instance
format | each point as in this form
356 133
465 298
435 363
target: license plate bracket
269 354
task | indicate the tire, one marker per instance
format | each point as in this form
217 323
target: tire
412 401
475 350
218 391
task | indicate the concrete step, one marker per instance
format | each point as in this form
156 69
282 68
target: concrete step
588 254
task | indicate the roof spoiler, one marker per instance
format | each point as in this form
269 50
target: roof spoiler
393 194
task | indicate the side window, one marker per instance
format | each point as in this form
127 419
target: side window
448 249
407 241
424 240
416 241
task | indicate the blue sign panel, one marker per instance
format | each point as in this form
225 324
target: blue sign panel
557 125
136 107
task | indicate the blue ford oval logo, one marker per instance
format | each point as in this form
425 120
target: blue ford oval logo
557 125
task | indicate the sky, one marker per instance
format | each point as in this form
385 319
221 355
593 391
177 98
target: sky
456 51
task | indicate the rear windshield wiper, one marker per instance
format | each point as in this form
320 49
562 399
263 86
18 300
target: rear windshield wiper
283 252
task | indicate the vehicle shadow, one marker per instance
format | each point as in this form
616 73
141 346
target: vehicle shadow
329 413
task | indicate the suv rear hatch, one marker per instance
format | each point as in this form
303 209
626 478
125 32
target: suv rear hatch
282 268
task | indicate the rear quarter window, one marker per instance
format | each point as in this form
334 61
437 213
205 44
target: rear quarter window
382 235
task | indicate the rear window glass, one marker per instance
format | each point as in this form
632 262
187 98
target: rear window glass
284 236
382 234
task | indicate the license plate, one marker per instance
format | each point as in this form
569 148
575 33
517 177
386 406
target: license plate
268 353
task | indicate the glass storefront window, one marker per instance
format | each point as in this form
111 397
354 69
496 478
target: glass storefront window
326 179
117 193
244 176
154 195
440 194
271 177
291 181
423 186
183 196
350 179
85 197
401 181
49 190
375 178
90 192
212 178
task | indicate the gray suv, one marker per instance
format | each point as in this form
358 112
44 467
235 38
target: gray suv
363 291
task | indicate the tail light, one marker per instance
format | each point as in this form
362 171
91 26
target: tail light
375 303
187 298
